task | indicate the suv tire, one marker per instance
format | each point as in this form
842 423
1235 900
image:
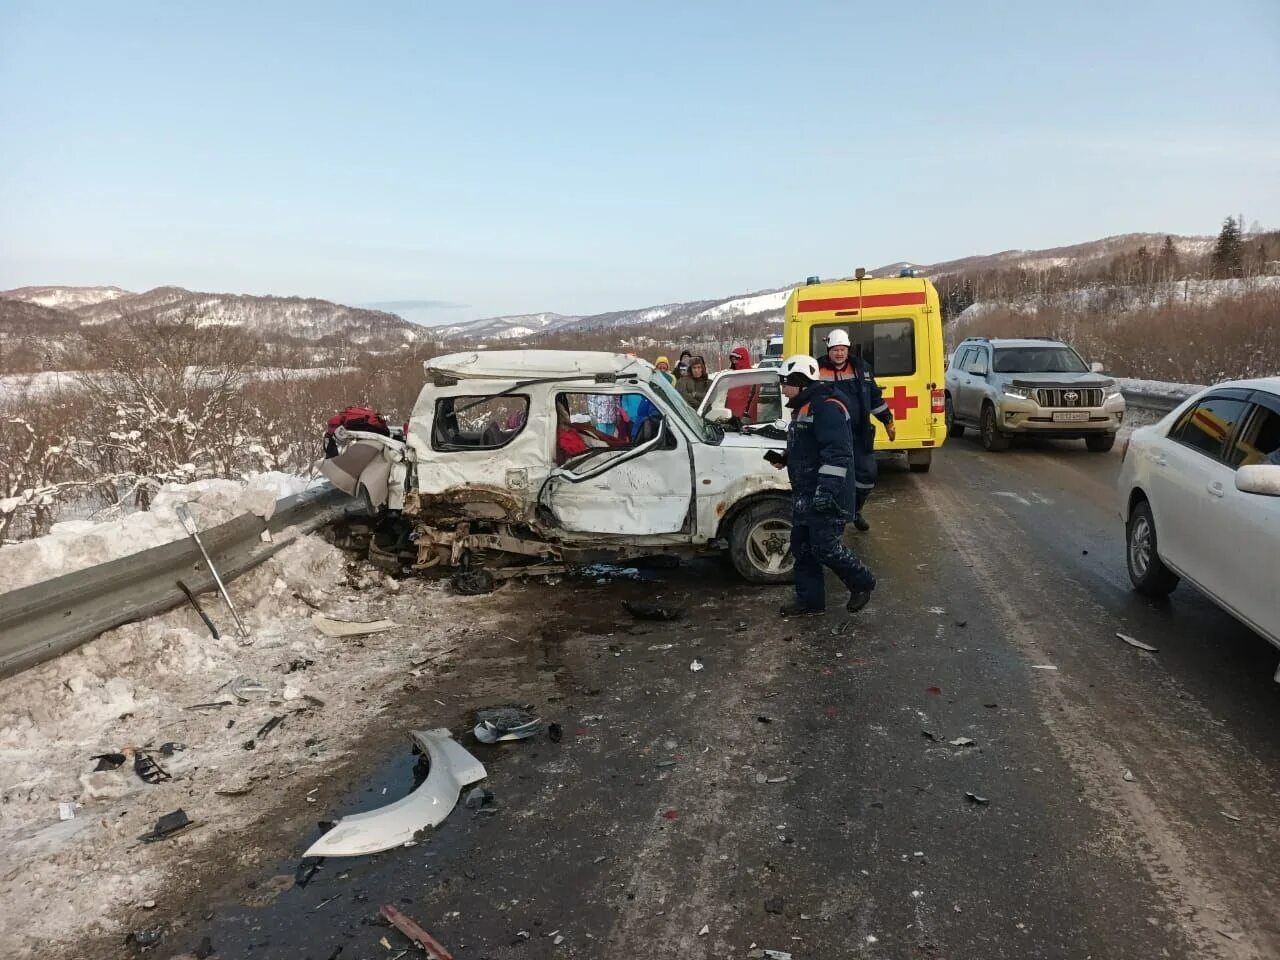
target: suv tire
760 542
1147 571
953 429
992 438
1100 442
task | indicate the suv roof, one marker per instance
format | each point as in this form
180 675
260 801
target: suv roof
526 364
1015 341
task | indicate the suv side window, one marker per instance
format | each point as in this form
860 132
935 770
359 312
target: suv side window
1259 441
961 360
478 423
1207 425
978 364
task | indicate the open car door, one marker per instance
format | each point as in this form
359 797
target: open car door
642 490
752 397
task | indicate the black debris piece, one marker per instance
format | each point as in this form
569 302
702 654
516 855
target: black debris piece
269 726
299 664
148 771
555 733
108 761
204 949
652 611
974 798
774 905
478 797
764 719
307 868
962 623
171 747
167 826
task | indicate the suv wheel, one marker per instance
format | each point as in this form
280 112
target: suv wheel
1100 442
760 543
992 438
1146 570
953 429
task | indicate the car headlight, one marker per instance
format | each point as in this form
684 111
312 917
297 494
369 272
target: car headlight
1114 395
1019 393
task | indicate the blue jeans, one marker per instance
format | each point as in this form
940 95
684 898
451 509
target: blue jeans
816 543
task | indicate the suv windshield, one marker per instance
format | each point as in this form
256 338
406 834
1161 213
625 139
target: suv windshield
1038 360
680 409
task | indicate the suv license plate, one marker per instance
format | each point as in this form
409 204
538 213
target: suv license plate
1070 416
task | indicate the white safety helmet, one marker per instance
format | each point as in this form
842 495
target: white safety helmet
799 371
837 338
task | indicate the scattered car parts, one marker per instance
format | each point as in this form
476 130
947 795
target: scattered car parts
415 933
333 627
191 598
451 769
496 724
167 826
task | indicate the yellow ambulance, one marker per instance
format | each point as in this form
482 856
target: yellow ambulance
895 325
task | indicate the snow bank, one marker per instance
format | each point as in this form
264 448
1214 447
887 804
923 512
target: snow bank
132 687
76 544
1159 388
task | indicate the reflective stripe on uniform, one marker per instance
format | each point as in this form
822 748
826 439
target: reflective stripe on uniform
839 403
880 409
833 471
862 486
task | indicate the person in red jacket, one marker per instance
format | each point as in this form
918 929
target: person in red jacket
743 402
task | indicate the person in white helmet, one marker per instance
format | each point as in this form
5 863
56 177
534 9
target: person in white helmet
819 461
856 385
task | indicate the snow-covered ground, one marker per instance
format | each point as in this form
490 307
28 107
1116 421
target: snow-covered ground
75 544
1160 388
133 687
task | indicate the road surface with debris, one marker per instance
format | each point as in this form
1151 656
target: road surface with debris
975 766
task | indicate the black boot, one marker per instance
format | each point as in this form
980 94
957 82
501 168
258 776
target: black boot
797 609
857 600
860 522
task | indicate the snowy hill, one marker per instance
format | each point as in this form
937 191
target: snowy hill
66 298
270 317
503 328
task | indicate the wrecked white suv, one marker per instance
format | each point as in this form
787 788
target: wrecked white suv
520 463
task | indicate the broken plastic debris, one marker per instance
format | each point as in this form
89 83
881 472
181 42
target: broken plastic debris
706 928
108 761
1129 777
148 770
171 747
244 688
974 798
333 627
415 933
478 797
1230 816
555 732
1137 643
670 815
696 665
495 724
67 811
143 939
661 646
934 690
167 826
1043 666
961 742
872 938
451 769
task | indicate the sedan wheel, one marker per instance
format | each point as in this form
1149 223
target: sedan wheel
1147 571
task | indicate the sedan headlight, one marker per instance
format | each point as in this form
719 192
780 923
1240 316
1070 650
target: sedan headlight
1019 393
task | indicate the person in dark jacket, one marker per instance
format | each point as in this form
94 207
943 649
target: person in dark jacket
682 365
819 462
856 384
694 385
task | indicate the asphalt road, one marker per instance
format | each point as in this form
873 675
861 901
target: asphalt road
646 832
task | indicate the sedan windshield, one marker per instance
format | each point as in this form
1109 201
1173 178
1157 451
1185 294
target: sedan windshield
1039 360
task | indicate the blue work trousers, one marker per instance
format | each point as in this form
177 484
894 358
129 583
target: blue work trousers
816 542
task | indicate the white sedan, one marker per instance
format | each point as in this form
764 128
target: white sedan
1201 501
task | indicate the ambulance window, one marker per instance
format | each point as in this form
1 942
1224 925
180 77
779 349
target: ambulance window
887 346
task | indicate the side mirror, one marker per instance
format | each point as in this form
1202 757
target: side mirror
1095 367
718 415
1260 478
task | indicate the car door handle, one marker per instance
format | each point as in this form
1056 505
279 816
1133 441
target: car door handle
1215 488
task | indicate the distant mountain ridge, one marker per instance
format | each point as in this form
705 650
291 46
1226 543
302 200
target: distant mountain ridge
269 316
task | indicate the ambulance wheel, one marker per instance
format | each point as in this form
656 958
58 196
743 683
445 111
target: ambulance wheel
760 542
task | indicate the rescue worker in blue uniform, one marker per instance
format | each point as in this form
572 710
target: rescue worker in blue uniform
856 385
819 462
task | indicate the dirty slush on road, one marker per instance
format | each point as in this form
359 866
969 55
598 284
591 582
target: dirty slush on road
717 782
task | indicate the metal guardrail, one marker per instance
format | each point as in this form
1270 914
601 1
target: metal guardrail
47 619
1155 402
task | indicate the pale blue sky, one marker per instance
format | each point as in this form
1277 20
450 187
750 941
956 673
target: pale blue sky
580 157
